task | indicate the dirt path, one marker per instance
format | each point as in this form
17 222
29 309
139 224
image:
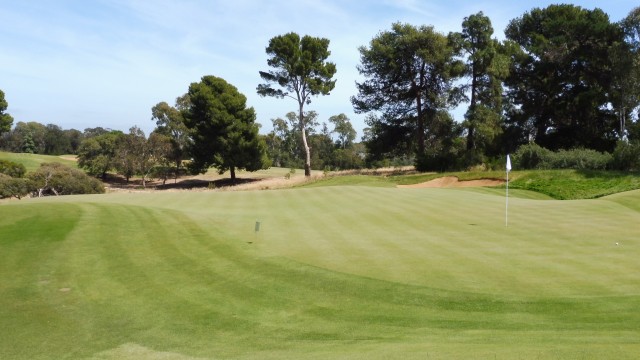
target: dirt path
452 181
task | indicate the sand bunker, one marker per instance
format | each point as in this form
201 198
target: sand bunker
452 181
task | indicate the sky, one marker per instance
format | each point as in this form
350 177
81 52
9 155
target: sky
87 63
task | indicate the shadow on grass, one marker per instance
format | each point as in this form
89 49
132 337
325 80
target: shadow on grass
201 184
606 174
118 182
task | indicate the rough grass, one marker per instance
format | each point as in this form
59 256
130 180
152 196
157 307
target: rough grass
576 184
557 184
341 272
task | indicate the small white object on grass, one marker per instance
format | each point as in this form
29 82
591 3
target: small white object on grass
616 244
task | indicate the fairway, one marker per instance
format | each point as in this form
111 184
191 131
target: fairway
334 272
33 161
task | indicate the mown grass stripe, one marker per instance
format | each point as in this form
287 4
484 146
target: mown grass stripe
417 269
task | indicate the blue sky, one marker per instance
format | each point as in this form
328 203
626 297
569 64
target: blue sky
88 63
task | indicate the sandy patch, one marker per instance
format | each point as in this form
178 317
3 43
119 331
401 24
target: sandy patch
452 181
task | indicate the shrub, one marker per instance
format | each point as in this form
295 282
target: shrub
626 156
12 169
58 179
533 156
580 159
14 187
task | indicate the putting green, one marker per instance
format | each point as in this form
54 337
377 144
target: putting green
348 272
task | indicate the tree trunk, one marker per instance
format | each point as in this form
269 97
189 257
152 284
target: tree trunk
232 170
420 115
471 144
307 150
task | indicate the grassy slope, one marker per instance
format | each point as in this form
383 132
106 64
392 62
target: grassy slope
33 161
557 184
353 272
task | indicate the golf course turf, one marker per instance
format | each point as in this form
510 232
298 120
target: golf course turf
334 272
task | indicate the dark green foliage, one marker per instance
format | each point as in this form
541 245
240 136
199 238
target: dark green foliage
626 60
14 187
28 146
12 169
223 129
97 154
5 119
410 73
58 179
55 141
446 146
74 137
35 138
626 156
581 159
486 67
129 149
170 122
533 156
449 157
562 81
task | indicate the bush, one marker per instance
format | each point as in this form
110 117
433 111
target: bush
581 159
533 156
58 179
14 187
626 156
12 169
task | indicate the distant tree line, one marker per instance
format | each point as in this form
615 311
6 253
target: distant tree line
333 146
564 78
36 138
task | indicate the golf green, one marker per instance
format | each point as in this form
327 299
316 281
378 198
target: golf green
340 272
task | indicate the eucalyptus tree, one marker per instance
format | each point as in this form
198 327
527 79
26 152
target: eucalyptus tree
98 154
130 153
300 70
343 128
170 122
223 129
410 79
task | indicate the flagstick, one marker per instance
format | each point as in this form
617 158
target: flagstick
506 213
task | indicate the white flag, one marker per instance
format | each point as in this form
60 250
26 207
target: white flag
508 163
